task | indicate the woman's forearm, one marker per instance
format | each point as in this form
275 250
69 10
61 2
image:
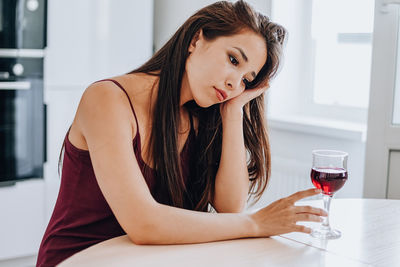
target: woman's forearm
171 225
232 179
162 224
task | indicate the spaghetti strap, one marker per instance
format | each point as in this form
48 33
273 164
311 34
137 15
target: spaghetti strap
130 103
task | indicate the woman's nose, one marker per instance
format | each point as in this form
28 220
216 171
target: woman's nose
233 83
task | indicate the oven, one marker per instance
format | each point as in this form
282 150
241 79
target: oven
23 24
22 109
22 120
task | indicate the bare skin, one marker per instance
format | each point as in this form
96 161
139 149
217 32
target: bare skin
104 125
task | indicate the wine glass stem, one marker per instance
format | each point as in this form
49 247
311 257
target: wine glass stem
327 204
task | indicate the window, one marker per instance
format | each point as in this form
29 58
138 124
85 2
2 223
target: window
327 59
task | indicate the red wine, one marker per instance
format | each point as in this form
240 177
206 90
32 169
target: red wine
329 180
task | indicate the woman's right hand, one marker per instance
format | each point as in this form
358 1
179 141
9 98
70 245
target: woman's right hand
281 216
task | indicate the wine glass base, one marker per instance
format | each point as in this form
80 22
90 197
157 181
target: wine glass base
326 234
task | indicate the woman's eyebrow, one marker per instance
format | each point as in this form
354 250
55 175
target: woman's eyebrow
242 53
245 59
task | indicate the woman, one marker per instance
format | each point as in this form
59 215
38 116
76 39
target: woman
193 111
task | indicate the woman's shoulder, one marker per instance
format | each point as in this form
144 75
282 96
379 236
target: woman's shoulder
130 88
102 89
102 104
105 95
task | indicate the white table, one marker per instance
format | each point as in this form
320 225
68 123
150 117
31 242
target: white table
370 237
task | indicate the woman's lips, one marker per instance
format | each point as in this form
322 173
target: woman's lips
220 94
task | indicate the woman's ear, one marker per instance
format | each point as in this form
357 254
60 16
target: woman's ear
195 40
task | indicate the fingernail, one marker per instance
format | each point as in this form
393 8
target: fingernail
318 190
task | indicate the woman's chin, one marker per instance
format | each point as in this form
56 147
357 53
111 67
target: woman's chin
203 104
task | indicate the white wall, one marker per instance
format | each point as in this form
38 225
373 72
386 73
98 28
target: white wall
169 15
93 39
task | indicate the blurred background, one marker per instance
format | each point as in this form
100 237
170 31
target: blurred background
337 89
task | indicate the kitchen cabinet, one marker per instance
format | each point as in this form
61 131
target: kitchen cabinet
22 218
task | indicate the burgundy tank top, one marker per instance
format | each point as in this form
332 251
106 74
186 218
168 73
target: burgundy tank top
81 216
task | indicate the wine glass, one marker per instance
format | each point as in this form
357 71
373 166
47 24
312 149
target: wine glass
328 173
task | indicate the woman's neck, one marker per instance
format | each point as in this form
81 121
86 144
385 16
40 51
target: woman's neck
145 91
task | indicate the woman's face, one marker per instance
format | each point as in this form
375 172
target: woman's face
218 70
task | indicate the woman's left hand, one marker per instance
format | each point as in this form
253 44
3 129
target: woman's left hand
239 101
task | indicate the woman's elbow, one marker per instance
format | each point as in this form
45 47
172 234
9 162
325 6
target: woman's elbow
145 232
138 241
141 237
145 228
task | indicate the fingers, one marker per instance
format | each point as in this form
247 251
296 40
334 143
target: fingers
302 229
311 210
306 217
303 194
257 91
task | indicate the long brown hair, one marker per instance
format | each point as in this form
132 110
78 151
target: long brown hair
218 19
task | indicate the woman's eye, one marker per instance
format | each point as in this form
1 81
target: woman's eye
233 60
